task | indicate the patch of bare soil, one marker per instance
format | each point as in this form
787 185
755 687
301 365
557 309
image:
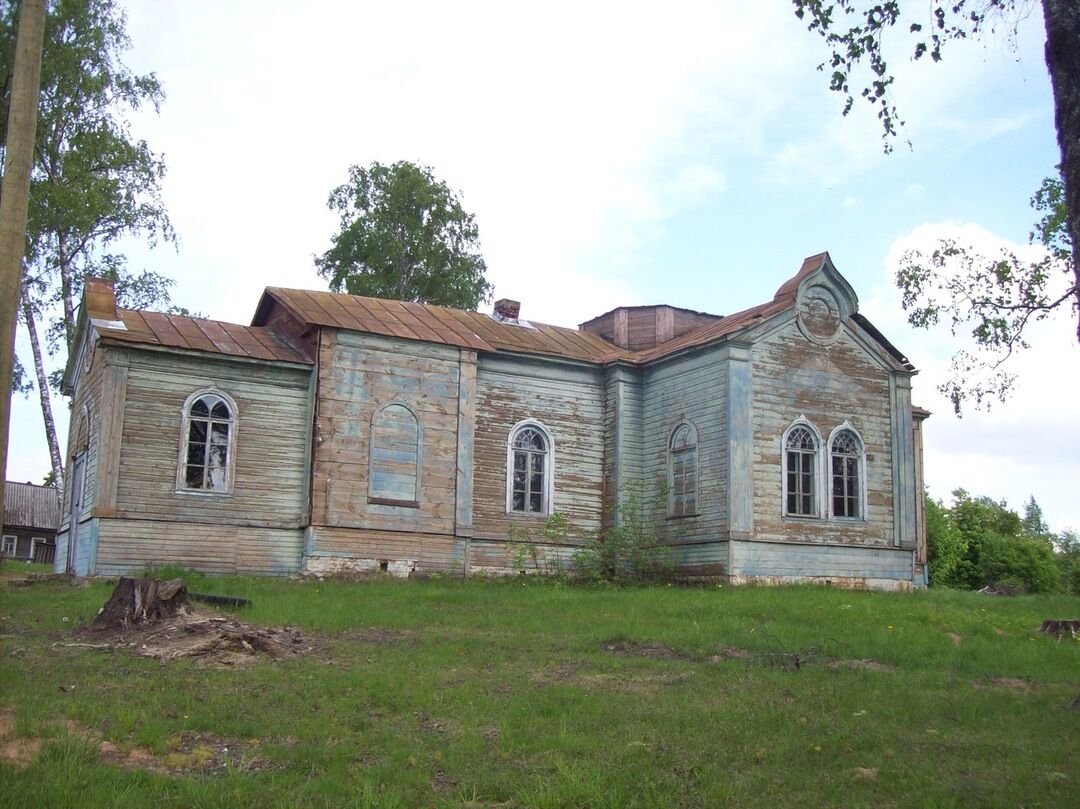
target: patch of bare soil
375 635
653 650
206 636
1010 683
201 753
729 653
860 664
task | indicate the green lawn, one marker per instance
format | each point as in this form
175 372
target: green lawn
530 693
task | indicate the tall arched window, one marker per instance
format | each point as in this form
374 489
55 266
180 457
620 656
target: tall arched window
394 471
801 445
683 471
530 461
846 455
206 460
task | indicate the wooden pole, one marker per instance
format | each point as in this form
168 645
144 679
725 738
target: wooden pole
15 196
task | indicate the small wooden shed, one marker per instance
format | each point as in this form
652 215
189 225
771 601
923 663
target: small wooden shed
31 518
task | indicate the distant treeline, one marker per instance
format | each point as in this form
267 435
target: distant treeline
978 542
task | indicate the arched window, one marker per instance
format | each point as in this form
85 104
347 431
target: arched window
682 471
206 457
530 461
846 454
801 443
394 469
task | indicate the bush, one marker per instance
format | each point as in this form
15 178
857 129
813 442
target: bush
628 553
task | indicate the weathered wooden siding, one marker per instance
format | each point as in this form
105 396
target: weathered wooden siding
691 389
332 549
271 431
359 374
569 401
827 384
623 438
843 565
129 546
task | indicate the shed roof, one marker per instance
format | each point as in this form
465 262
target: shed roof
435 324
30 506
200 334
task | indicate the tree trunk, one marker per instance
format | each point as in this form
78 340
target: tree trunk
43 394
1062 19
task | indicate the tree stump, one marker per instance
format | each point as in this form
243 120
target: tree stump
140 601
1061 628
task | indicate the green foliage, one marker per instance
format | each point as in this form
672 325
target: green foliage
979 542
947 548
405 236
628 553
21 383
992 297
1068 557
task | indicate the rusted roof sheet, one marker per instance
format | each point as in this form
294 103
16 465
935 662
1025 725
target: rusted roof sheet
30 506
200 334
440 324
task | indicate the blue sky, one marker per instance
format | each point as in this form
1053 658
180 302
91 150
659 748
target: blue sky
614 153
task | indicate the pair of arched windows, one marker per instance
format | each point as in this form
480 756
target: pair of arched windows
805 467
530 469
208 441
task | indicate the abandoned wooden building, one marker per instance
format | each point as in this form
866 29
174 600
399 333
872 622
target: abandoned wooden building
31 517
346 433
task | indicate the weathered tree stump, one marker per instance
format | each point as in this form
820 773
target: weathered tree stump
139 601
1061 628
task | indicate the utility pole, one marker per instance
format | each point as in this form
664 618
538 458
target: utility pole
15 196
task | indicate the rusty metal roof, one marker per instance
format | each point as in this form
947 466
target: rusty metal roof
30 506
439 324
200 334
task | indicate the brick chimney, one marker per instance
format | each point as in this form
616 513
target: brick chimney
99 299
506 309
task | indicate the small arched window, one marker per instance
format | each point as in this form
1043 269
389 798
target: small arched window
846 453
683 471
530 460
394 477
800 471
206 460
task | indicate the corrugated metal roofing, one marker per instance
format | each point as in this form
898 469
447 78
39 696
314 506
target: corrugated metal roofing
30 506
199 334
439 324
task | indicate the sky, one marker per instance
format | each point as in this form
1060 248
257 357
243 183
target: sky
613 154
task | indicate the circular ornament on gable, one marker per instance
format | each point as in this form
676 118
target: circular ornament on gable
819 315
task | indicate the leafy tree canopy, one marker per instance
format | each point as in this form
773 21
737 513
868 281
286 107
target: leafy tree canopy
405 236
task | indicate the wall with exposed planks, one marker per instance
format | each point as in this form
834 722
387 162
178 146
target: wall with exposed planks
691 388
827 384
842 565
127 546
359 376
338 549
567 399
623 438
271 438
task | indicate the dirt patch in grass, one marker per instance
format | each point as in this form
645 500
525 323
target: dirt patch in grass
205 636
860 664
376 635
653 650
1009 683
202 753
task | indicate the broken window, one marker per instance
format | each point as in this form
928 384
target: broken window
846 451
682 473
800 472
209 430
529 470
394 477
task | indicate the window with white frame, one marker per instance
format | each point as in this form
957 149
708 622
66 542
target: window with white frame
9 544
394 470
209 438
530 461
846 455
801 446
683 471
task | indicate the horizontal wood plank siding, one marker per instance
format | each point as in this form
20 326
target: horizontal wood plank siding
359 374
272 432
819 561
130 546
431 553
570 403
691 389
827 384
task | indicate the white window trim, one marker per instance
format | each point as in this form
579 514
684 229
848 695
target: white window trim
547 506
671 470
373 497
13 541
819 471
185 431
846 425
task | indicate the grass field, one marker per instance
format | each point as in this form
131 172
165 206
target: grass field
528 693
